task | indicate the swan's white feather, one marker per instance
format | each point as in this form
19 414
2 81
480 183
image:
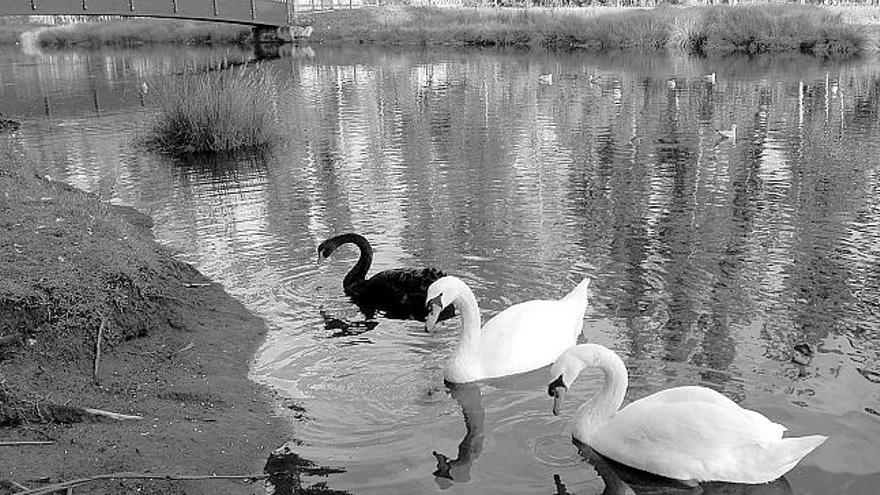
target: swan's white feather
528 336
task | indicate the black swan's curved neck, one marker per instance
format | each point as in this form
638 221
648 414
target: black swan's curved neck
358 272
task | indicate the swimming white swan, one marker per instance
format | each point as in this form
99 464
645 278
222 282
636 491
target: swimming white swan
523 337
687 433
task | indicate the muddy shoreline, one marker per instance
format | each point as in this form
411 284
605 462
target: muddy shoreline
185 372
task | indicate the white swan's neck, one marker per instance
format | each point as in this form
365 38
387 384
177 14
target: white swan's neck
605 404
466 303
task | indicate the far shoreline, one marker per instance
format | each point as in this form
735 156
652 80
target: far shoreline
835 32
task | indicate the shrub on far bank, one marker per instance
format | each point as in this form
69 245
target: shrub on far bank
759 28
134 32
215 111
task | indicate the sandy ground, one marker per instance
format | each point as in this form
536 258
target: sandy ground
186 376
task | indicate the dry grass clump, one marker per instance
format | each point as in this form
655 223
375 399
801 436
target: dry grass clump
216 111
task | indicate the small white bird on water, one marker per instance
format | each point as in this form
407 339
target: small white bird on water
545 78
709 78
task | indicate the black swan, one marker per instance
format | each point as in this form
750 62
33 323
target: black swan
398 293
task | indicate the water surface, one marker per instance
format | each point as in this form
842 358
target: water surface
711 258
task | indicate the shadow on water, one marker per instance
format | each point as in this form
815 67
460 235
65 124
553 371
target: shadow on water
344 327
285 469
624 480
470 398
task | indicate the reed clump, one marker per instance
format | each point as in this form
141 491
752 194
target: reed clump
763 28
216 111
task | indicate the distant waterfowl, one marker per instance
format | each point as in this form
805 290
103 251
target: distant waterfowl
709 78
595 80
727 133
398 293
692 433
523 337
671 83
545 78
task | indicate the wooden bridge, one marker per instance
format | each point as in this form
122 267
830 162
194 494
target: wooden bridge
257 13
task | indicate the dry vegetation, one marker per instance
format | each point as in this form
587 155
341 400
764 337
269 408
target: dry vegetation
215 111
721 29
134 32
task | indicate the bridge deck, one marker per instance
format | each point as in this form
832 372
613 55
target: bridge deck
254 12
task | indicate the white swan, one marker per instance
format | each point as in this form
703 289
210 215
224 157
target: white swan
687 433
523 337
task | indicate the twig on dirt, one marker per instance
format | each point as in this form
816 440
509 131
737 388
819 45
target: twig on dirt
26 442
18 486
183 349
139 476
111 415
98 348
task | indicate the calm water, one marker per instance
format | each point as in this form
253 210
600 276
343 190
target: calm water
711 258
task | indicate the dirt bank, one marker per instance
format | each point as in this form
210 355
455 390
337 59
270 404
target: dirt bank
175 349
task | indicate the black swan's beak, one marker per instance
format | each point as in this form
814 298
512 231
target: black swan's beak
434 307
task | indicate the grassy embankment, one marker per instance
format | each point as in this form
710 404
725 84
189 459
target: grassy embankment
752 28
215 111
76 272
10 34
136 32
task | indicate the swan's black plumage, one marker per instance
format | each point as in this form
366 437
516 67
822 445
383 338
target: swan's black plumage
398 293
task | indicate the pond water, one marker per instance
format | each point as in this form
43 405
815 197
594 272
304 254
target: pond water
520 172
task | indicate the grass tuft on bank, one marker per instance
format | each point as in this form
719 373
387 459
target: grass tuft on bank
136 32
215 112
763 28
71 264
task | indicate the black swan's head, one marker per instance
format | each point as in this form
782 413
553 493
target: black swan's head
325 249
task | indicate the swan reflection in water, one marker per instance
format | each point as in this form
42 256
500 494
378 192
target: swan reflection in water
470 398
624 480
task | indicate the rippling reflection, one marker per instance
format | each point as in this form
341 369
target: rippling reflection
712 259
469 397
622 480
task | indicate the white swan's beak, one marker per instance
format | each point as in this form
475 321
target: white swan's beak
558 394
434 308
431 320
557 390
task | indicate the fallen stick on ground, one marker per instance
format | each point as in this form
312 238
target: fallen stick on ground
138 476
98 349
111 415
26 442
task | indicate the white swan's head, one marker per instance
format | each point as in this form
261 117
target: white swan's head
440 294
575 359
566 369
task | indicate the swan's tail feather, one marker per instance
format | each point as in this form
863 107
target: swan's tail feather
780 457
581 292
